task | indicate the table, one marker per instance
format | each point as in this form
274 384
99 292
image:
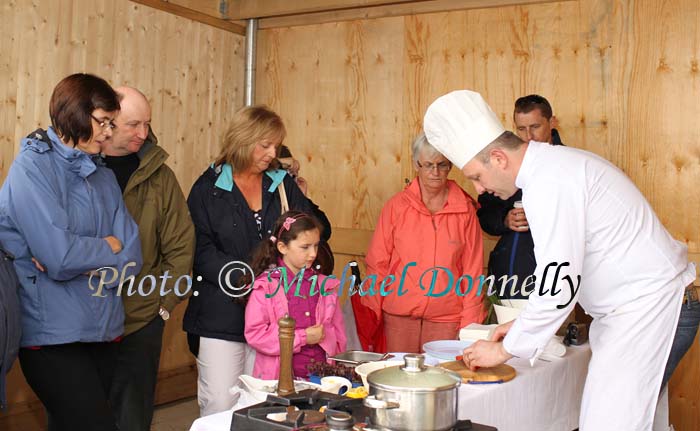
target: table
543 397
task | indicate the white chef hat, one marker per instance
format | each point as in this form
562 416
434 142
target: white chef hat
460 124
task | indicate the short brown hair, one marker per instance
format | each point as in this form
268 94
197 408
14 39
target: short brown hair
506 140
73 101
249 126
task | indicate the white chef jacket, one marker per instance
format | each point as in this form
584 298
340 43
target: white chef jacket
584 211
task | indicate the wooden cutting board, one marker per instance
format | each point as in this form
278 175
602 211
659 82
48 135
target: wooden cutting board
502 373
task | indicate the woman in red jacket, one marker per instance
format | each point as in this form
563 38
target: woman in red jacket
432 223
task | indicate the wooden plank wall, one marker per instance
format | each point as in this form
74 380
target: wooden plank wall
622 75
192 74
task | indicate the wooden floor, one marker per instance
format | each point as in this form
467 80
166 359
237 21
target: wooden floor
176 416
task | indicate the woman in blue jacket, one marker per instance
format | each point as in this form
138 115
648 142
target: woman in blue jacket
63 218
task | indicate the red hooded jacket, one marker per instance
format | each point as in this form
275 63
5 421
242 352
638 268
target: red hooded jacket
407 233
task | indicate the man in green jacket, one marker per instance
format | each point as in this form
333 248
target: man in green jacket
156 202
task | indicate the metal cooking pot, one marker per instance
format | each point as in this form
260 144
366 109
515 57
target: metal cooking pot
413 397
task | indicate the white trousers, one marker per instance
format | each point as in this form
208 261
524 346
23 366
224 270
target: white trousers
219 363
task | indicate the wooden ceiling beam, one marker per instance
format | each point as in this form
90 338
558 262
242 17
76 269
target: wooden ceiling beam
383 11
245 9
215 8
285 13
194 15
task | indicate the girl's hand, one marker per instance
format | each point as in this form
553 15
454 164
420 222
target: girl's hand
314 334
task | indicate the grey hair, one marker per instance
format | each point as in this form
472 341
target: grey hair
420 144
506 140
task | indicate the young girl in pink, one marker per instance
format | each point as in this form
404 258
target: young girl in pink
313 303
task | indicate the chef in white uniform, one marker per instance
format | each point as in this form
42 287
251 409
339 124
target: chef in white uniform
597 241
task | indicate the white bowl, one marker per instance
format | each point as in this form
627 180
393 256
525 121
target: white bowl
506 314
258 388
364 369
445 350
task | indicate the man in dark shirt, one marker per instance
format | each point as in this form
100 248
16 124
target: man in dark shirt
514 253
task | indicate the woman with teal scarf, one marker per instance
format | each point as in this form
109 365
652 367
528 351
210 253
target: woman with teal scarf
234 205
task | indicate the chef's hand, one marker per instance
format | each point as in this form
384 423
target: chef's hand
485 354
516 220
501 331
314 334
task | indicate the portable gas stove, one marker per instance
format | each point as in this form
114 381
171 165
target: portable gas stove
341 414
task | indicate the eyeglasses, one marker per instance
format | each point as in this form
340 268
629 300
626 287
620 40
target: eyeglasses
429 166
104 124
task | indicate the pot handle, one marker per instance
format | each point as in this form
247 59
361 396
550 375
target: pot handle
373 403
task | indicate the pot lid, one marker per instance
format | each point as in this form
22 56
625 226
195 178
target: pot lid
414 376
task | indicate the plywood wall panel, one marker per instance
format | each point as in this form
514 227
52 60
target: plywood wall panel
663 132
334 109
8 94
608 77
191 73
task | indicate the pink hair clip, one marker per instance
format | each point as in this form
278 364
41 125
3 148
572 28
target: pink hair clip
288 223
273 239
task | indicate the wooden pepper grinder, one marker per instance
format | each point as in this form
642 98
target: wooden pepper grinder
285 385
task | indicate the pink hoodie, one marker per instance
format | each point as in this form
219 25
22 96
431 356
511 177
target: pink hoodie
262 314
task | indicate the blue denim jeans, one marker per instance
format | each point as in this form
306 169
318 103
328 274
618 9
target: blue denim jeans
685 334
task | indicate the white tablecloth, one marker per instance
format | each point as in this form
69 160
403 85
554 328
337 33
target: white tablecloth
544 397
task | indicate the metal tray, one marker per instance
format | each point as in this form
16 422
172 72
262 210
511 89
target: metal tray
356 357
